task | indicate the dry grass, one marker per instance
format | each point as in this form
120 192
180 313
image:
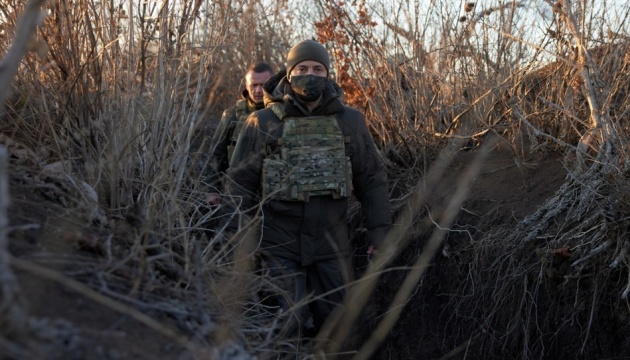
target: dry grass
125 110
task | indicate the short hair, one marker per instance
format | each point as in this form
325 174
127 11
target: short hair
261 67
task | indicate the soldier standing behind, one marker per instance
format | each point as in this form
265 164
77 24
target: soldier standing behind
303 156
232 121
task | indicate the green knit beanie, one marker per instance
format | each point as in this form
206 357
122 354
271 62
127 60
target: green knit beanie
308 50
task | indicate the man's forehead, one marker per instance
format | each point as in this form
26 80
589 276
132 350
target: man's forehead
252 75
309 63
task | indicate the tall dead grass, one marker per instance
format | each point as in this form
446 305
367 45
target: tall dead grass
489 70
121 98
124 98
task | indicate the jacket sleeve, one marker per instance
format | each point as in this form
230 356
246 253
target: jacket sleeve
220 142
244 173
370 185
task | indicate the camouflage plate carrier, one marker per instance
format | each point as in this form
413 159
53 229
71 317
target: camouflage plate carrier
242 111
311 162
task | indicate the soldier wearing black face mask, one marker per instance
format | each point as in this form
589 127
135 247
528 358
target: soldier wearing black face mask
303 156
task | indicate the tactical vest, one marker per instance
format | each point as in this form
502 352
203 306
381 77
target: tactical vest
242 111
311 160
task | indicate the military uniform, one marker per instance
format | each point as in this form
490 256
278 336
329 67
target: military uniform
226 134
304 166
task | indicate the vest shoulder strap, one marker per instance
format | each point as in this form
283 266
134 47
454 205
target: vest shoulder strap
241 105
278 109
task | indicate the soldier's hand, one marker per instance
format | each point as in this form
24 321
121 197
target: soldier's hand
213 199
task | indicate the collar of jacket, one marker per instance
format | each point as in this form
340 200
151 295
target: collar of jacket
278 89
251 105
328 105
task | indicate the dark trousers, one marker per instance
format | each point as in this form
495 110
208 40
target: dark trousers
324 280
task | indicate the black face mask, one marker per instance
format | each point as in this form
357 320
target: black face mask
308 87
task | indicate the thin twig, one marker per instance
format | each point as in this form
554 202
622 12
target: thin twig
10 307
31 19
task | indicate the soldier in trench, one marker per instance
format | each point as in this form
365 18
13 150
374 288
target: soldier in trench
303 157
232 121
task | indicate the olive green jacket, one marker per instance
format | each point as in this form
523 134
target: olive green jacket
226 134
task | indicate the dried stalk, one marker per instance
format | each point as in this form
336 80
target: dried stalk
13 318
601 123
8 67
423 261
340 324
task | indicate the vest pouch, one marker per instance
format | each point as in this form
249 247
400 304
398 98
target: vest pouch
242 112
238 126
312 161
275 179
